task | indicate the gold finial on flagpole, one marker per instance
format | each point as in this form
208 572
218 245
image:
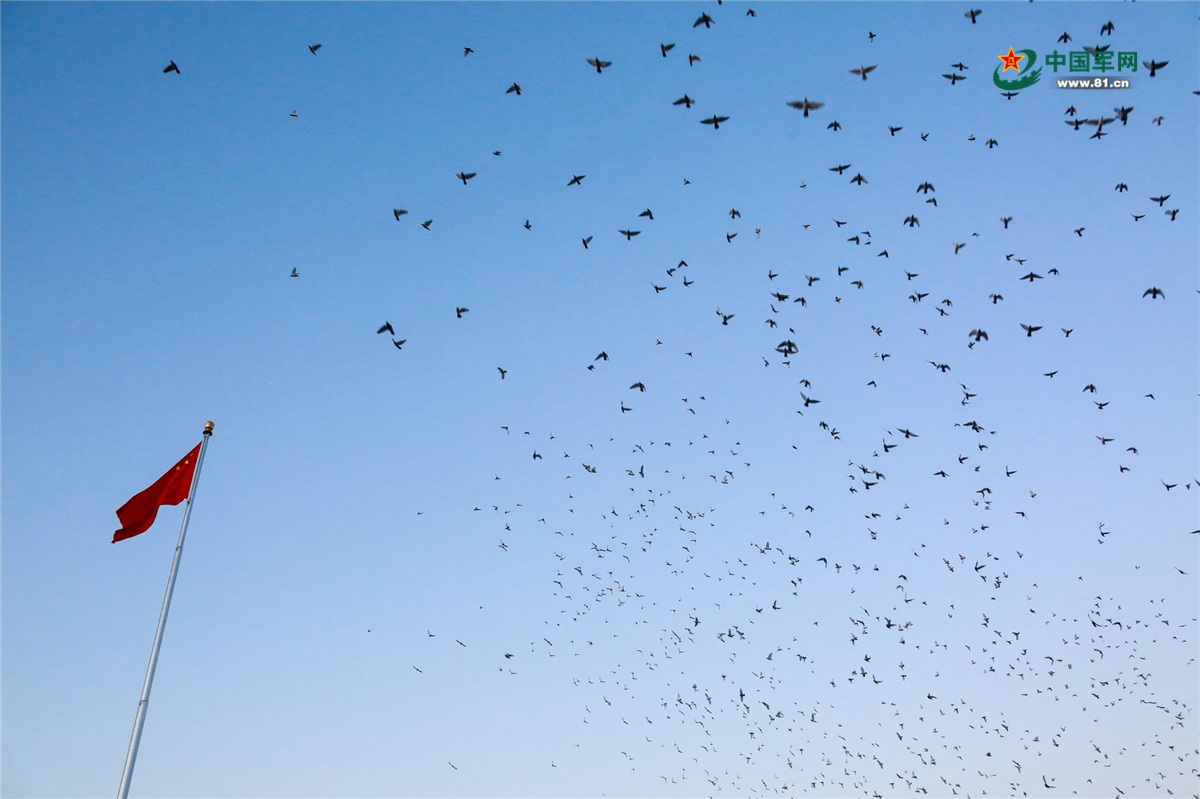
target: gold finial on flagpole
208 428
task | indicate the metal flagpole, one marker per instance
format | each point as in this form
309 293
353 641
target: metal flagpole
140 719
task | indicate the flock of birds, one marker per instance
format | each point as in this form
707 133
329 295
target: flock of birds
639 580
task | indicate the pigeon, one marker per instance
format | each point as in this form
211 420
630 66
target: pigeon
313 48
1153 66
172 67
806 105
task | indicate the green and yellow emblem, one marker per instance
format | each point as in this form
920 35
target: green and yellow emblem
1024 77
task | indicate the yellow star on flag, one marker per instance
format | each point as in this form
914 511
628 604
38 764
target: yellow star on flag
1011 61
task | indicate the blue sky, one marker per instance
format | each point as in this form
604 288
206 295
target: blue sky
150 224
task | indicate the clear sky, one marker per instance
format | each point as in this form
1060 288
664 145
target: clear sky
372 535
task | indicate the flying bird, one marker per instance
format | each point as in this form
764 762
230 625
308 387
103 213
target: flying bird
715 121
973 14
599 65
465 176
806 105
313 48
172 67
704 20
1153 66
863 71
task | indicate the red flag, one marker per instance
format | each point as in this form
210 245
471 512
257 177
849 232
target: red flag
138 514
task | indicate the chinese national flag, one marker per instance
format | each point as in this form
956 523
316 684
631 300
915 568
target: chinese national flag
138 514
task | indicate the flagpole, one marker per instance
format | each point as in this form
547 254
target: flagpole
140 719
